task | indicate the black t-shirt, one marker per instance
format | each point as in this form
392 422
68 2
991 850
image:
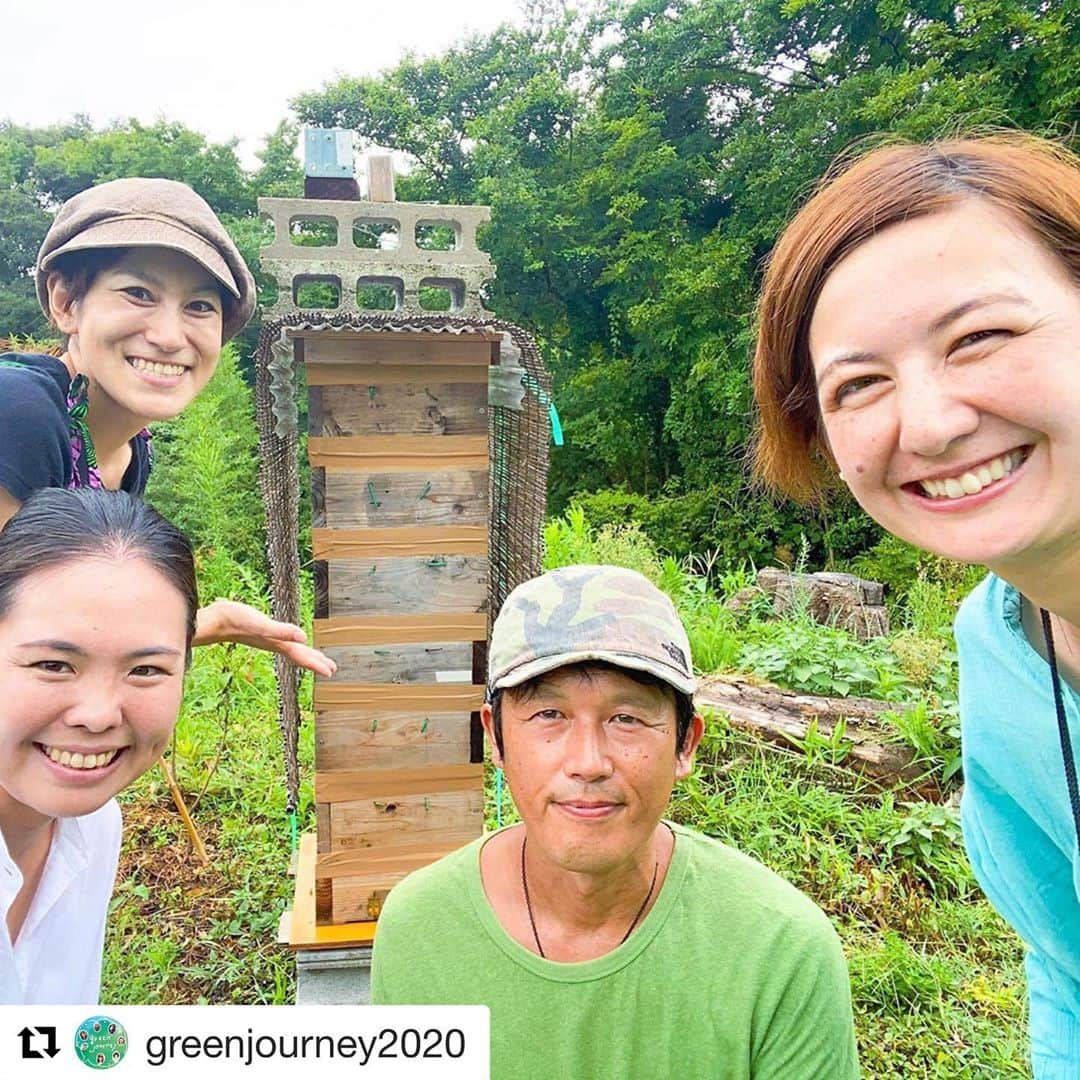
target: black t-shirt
35 431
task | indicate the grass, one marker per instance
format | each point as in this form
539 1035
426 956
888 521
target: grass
937 980
936 976
181 933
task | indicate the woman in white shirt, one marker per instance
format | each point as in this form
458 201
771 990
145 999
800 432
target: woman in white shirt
97 614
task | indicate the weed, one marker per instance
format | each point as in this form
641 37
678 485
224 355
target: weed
926 841
934 735
936 976
803 655
831 749
570 540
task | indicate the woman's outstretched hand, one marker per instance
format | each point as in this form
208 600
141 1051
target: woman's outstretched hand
228 620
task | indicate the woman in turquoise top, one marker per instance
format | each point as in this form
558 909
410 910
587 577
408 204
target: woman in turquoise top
919 337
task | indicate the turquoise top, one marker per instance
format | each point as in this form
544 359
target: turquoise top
1018 825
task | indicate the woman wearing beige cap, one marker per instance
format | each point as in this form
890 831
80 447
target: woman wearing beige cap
146 285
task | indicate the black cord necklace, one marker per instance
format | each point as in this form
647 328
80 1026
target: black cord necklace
1063 726
532 919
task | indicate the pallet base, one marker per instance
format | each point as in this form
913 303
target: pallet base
298 929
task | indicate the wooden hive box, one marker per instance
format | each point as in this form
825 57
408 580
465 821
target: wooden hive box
398 444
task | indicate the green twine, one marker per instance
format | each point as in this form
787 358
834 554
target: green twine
556 425
498 797
294 841
530 383
371 494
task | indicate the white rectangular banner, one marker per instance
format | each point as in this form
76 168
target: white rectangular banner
384 1042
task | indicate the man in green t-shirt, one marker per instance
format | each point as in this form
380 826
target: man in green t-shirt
607 942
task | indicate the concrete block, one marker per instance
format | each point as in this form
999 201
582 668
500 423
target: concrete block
405 267
334 976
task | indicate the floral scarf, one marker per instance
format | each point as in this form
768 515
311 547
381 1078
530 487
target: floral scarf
84 466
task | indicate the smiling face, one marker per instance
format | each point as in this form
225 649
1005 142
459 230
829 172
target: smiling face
590 759
947 357
147 333
91 675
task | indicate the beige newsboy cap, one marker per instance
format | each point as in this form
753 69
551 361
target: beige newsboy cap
141 212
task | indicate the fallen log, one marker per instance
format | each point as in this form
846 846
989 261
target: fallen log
784 717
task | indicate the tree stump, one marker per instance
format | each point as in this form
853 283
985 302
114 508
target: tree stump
841 600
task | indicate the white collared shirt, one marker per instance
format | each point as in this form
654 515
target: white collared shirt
56 959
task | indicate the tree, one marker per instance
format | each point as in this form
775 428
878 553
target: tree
640 160
42 167
163 149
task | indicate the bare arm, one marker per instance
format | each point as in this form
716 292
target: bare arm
8 505
227 620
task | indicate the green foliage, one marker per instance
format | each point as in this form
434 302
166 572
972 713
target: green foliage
915 579
279 174
823 660
925 842
937 979
435 298
640 159
710 627
933 733
205 476
572 540
24 226
899 978
376 298
730 520
820 748
129 148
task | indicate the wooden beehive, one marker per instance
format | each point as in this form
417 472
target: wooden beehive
398 447
427 436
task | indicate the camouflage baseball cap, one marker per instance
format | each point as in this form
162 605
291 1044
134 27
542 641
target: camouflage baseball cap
588 613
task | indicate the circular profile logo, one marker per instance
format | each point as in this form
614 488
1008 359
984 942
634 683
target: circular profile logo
101 1042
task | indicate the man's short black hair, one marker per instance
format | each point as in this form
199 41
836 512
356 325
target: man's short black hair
684 703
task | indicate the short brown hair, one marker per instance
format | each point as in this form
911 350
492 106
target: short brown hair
79 270
1035 179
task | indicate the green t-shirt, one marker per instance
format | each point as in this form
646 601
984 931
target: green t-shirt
733 975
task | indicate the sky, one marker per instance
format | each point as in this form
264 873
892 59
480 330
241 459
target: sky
223 67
